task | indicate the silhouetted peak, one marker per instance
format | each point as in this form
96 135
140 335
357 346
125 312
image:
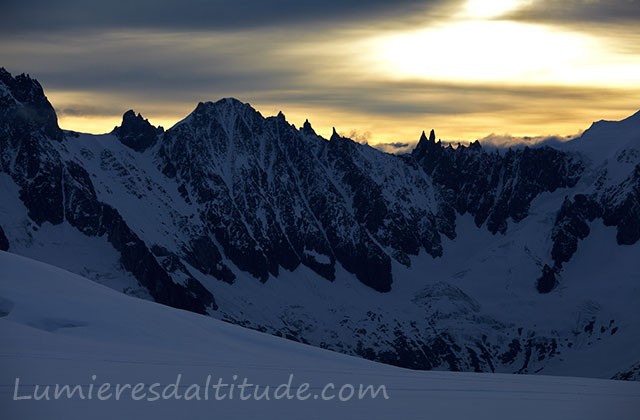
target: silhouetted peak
634 117
129 120
307 129
432 136
475 145
136 132
335 135
423 137
230 102
130 116
4 75
424 144
29 106
22 87
224 107
235 105
200 108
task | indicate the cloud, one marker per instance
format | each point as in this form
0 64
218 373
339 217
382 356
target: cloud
360 137
503 141
492 141
186 68
86 110
194 15
580 11
395 147
614 23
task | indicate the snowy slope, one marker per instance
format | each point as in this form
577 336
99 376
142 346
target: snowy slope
64 329
518 261
607 138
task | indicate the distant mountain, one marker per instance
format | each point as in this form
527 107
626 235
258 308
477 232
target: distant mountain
447 258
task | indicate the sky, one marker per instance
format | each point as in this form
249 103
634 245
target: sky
379 71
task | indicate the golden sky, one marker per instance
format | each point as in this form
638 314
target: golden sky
467 68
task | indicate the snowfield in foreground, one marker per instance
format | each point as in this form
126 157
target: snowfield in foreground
59 328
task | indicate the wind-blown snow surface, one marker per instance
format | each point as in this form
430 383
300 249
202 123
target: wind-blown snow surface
60 328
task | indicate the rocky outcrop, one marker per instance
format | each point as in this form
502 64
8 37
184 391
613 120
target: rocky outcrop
496 187
275 197
4 242
617 205
25 111
622 208
56 190
572 226
136 132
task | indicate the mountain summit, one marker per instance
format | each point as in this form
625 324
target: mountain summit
136 132
448 258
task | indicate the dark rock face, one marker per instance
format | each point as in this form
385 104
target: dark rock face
4 242
136 258
205 256
622 209
25 111
442 350
55 190
547 282
494 187
136 132
497 187
27 122
616 206
571 226
239 165
632 374
275 197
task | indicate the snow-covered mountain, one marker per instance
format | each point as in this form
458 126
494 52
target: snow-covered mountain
66 330
448 258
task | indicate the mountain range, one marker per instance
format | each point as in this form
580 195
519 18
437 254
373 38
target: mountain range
469 258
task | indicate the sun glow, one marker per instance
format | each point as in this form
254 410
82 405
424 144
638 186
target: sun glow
482 51
502 51
479 44
483 9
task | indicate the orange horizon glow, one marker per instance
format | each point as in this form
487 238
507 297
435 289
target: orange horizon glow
471 73
455 128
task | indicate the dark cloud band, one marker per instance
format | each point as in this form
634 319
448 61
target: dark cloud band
67 15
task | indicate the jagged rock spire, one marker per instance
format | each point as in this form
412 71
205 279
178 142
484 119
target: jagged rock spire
136 132
25 106
335 135
424 144
307 129
423 137
475 145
